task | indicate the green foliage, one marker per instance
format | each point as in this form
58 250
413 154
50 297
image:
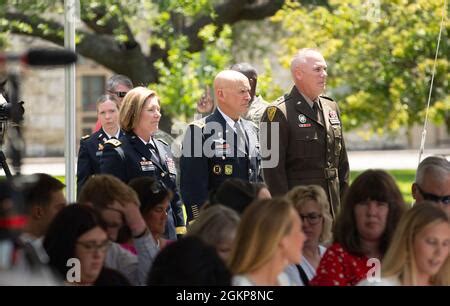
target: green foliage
380 57
185 75
267 87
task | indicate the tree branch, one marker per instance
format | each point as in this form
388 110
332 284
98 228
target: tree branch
231 12
129 61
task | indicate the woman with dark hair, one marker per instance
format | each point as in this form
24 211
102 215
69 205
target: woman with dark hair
77 232
364 227
237 194
189 262
419 252
155 201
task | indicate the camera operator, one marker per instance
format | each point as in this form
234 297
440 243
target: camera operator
19 263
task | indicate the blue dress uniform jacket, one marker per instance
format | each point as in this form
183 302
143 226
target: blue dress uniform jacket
210 155
129 158
91 149
311 147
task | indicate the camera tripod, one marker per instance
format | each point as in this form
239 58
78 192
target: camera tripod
12 110
4 165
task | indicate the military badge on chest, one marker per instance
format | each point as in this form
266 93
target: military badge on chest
334 119
147 165
217 169
221 148
171 165
302 119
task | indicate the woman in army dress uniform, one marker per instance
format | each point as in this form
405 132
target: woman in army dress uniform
138 153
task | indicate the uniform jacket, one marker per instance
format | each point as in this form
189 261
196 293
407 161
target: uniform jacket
91 149
210 155
311 151
129 158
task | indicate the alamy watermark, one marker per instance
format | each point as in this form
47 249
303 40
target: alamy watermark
374 273
222 143
73 275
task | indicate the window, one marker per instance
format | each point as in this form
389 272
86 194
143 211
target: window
93 88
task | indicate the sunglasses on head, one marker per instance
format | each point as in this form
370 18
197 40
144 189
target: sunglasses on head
434 198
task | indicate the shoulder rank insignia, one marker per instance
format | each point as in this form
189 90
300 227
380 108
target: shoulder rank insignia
85 137
279 100
163 141
271 111
115 142
199 123
328 98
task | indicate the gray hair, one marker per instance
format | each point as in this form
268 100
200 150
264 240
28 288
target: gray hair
436 166
215 224
116 80
300 57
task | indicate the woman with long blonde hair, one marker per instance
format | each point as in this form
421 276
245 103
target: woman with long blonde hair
419 251
269 238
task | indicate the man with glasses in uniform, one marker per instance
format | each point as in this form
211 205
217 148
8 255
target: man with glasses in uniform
433 182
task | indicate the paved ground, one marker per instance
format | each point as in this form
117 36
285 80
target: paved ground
359 160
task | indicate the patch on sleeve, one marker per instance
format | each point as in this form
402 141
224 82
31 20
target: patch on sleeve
271 111
115 142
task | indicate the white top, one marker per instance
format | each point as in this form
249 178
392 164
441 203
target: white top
293 273
117 134
244 280
307 267
228 120
384 281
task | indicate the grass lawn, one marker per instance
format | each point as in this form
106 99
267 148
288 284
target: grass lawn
404 179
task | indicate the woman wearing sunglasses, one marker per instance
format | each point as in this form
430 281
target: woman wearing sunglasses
312 206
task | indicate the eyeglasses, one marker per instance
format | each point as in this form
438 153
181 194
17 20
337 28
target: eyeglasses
434 198
313 218
91 246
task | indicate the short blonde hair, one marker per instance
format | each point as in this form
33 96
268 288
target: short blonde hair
400 259
300 195
132 106
263 225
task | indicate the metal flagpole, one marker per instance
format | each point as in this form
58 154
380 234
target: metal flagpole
70 18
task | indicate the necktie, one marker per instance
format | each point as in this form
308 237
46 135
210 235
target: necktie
153 150
317 112
242 142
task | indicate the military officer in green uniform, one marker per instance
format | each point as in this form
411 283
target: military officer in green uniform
257 105
309 143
